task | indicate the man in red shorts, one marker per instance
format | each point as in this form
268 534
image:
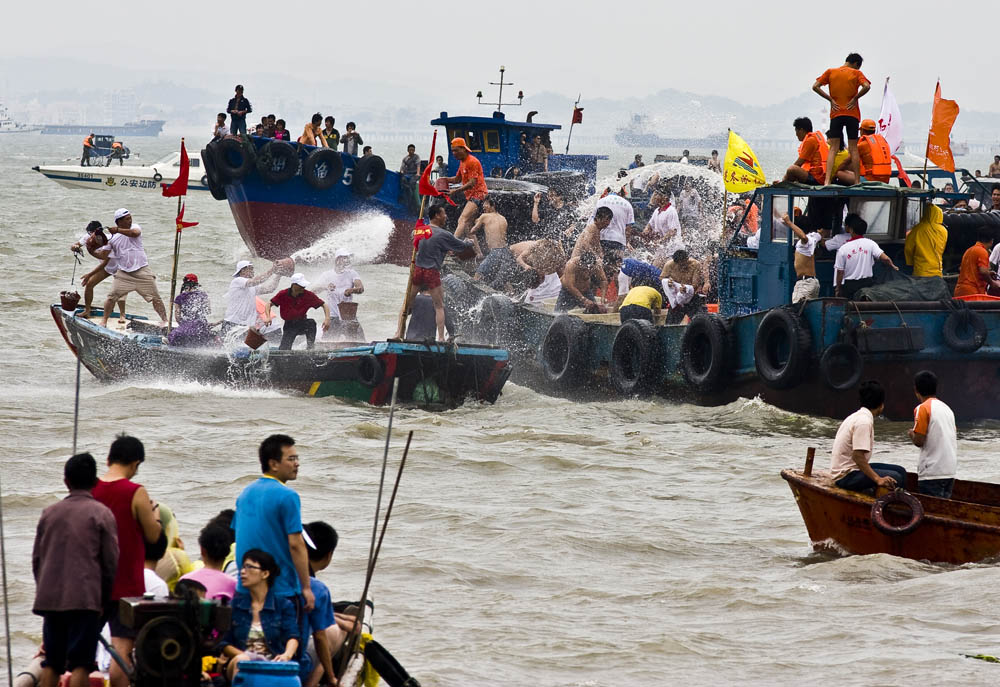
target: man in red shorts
847 86
470 175
430 257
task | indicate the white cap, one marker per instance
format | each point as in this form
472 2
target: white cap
343 253
240 266
121 212
300 279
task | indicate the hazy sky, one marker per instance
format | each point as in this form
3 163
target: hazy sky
759 52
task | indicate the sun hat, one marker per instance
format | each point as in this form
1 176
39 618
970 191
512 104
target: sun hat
242 265
459 143
121 212
300 280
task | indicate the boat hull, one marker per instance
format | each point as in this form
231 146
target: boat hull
963 529
430 375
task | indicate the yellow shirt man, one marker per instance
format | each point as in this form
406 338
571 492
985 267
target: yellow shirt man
644 296
925 243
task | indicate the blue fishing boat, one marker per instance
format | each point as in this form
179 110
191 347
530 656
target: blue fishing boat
431 375
808 357
285 196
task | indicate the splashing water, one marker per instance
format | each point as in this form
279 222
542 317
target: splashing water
367 236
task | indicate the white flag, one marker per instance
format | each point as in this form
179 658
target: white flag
890 122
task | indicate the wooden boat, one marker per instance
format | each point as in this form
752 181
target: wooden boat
962 529
431 375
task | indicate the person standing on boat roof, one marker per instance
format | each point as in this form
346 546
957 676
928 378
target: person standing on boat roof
312 135
855 260
351 139
810 166
74 560
238 109
925 242
88 148
847 85
294 303
193 311
974 274
492 224
473 184
138 522
806 283
430 256
934 432
241 306
133 273
96 244
850 466
220 130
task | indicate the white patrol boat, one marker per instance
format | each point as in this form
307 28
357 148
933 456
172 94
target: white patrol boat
147 178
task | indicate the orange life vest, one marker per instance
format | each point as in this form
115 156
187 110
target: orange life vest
824 150
116 144
881 169
89 141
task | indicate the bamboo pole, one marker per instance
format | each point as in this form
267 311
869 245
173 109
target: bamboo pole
173 275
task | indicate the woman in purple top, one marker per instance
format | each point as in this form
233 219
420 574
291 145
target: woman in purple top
193 309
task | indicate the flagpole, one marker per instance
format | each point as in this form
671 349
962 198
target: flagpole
927 148
572 122
177 252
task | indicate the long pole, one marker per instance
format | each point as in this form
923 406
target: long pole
354 636
927 148
405 310
76 402
572 122
6 602
173 275
385 460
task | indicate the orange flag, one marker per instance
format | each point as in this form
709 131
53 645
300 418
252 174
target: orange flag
938 138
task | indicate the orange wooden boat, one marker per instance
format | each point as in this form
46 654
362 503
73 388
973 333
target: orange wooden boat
962 529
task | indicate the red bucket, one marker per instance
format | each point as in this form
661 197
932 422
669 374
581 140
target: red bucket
254 339
69 300
348 310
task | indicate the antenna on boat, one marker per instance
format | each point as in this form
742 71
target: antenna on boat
501 83
6 603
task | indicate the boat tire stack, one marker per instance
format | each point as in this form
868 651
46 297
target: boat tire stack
706 347
277 162
782 349
841 366
234 158
634 362
564 350
214 179
323 168
369 175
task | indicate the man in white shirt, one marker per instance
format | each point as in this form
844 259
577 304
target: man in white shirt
337 286
241 299
855 259
133 272
934 432
850 465
664 226
614 237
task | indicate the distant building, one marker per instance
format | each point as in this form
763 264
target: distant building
120 107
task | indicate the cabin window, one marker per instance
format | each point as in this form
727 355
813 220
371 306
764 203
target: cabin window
779 208
878 213
472 138
914 209
195 162
492 140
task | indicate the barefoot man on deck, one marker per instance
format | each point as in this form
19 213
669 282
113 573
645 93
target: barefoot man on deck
847 86
133 267
470 175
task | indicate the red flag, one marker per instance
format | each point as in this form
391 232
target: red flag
425 187
939 137
904 178
578 115
181 224
420 232
180 186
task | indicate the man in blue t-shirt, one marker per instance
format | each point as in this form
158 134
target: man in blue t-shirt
268 517
327 636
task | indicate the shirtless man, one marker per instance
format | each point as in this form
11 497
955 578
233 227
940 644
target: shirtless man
493 224
579 277
684 270
95 241
313 133
807 285
522 266
589 240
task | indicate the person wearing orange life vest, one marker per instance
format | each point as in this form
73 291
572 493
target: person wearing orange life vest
117 153
876 157
88 146
810 166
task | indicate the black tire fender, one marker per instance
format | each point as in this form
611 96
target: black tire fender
323 168
898 496
964 331
497 314
157 177
781 348
231 149
563 354
369 175
836 360
208 156
204 180
705 351
634 358
370 370
277 162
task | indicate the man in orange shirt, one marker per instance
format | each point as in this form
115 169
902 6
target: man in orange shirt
847 86
470 175
974 274
876 158
810 166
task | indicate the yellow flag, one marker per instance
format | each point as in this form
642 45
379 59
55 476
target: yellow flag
741 171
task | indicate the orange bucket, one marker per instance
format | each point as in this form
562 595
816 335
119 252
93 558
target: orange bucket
713 307
254 339
348 310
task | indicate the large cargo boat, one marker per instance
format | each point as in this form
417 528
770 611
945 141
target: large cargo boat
144 127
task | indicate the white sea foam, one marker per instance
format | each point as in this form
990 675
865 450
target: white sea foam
367 237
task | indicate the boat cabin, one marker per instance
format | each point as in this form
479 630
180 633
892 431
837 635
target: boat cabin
501 145
761 278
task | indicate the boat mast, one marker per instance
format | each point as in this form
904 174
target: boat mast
501 83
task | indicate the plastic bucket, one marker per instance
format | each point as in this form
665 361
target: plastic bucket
268 674
68 300
254 339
